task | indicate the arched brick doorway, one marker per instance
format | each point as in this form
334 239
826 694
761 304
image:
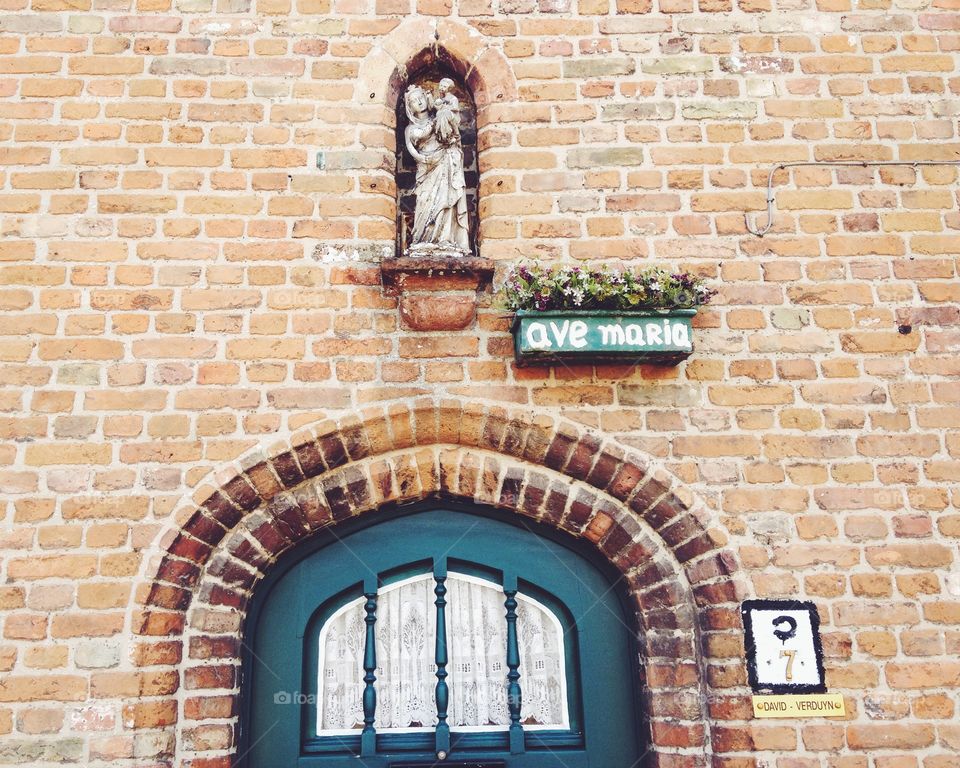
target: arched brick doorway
680 579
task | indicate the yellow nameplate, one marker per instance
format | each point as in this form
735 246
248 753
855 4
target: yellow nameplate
800 705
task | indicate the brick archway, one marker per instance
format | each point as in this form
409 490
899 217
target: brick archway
680 579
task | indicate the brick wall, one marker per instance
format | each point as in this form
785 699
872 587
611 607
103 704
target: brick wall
181 286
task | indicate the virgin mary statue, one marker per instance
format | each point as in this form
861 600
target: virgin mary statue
440 218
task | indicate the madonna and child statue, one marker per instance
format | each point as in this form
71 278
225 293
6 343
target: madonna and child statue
432 136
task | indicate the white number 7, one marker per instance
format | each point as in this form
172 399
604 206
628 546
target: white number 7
789 655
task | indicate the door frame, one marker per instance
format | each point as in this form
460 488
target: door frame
324 537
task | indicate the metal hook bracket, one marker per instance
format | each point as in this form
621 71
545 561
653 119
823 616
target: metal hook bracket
771 198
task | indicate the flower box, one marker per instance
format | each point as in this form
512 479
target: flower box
602 336
581 315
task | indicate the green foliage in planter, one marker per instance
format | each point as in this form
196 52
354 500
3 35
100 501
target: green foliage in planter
533 287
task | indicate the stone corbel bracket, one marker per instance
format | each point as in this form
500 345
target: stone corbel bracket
436 293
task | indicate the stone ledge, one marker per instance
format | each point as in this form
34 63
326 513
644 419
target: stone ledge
435 273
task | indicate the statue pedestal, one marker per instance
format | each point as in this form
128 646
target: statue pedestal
438 292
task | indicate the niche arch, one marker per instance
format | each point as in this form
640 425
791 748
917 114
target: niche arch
473 57
681 581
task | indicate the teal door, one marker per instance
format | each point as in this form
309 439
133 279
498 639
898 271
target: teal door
438 637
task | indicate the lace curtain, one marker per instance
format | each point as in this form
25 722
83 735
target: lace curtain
406 673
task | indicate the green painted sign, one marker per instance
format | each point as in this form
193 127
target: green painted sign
582 336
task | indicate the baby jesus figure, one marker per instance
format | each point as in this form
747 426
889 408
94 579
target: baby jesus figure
447 108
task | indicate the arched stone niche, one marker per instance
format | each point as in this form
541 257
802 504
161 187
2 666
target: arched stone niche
426 71
437 294
412 49
437 287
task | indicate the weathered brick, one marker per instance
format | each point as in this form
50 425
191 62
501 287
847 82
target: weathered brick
198 200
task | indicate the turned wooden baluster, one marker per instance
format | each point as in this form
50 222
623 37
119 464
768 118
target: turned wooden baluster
368 737
440 657
514 697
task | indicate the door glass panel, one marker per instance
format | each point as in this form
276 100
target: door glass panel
405 628
406 632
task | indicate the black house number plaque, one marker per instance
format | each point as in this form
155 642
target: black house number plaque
784 654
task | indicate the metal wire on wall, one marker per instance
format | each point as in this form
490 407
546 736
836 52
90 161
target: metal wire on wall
760 232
